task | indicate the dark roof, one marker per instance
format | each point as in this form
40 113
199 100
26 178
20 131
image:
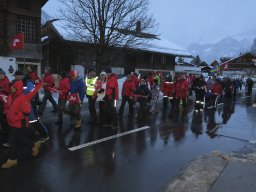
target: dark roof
246 56
43 2
203 64
214 63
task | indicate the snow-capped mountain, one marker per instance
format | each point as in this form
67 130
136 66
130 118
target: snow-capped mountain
253 49
226 47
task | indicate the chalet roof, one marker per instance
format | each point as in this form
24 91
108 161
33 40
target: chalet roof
214 63
206 68
159 45
203 64
246 56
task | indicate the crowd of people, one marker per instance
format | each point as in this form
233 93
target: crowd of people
19 111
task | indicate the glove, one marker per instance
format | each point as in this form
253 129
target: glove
101 91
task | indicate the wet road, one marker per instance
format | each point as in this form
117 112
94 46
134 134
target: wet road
144 160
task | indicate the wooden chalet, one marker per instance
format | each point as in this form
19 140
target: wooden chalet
60 52
243 65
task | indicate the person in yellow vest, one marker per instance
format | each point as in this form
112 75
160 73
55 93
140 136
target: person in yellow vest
91 94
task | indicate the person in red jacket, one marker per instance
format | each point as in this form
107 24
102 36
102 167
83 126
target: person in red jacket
112 95
217 91
17 108
127 95
168 89
182 90
48 85
150 80
4 91
135 79
64 88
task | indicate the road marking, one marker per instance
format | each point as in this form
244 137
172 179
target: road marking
231 137
245 97
107 138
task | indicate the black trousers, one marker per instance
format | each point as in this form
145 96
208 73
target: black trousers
130 102
249 92
19 137
110 117
92 109
143 108
47 96
34 102
1 112
199 95
184 102
101 111
61 105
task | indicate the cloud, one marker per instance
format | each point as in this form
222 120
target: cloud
186 21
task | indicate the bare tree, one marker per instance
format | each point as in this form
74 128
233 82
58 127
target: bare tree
108 23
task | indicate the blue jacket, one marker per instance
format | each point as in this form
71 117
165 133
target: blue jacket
28 87
78 86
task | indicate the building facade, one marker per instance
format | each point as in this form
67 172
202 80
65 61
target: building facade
22 16
243 65
60 52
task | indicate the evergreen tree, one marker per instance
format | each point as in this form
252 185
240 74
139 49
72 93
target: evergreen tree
180 59
196 60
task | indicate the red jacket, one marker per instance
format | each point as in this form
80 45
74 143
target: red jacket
33 75
48 82
150 80
168 89
112 87
17 107
99 85
182 89
135 80
217 88
128 88
4 86
64 88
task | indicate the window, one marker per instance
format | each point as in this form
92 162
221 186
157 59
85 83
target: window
23 67
27 26
163 61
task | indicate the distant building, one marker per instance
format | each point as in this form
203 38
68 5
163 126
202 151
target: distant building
21 16
205 68
60 51
187 68
215 63
243 65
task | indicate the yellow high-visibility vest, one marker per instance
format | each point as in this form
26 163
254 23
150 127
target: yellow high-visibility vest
90 85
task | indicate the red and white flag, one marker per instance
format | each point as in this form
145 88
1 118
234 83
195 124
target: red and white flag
17 41
225 66
73 98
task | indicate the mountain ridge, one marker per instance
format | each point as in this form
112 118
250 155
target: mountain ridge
230 46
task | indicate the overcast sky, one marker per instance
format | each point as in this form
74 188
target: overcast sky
188 21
